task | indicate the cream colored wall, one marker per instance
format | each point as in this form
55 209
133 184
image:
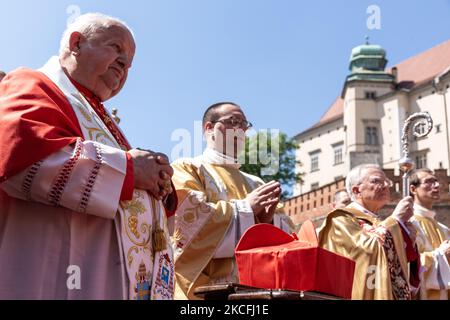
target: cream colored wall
357 109
392 116
435 142
391 112
329 134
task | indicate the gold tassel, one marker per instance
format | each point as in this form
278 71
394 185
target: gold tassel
159 240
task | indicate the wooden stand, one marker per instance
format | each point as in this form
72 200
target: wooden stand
234 291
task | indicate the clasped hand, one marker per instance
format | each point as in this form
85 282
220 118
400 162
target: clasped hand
152 172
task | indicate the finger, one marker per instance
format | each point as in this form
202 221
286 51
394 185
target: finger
270 191
164 175
162 159
268 195
269 188
408 199
167 169
164 184
270 202
162 193
278 191
266 184
155 192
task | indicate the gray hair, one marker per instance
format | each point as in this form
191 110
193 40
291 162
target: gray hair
355 177
337 195
88 24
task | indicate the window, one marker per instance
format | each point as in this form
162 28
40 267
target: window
421 161
370 95
314 161
314 186
372 136
438 128
338 158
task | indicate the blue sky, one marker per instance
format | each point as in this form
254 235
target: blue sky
283 61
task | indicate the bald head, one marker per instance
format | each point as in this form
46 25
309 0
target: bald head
97 52
89 25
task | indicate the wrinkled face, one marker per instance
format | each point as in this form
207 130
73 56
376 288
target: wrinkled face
374 188
428 189
103 60
229 130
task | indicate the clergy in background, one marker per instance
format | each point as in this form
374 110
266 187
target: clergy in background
380 249
341 199
218 202
79 208
433 238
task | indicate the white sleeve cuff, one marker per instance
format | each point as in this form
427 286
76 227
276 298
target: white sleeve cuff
243 219
278 221
85 178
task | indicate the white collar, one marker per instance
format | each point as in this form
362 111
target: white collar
423 212
359 207
214 157
54 71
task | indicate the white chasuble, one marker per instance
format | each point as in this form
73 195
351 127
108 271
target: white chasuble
435 273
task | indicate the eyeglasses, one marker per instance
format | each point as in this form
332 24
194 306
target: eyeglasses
381 182
235 123
430 182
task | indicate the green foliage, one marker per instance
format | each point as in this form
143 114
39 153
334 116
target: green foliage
272 157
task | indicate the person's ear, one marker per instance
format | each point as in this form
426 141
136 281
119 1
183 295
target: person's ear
75 43
208 126
355 190
208 129
413 190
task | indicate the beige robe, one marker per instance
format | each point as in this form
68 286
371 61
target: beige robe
211 218
435 276
358 234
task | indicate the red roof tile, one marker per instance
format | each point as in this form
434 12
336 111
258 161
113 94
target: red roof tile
423 66
336 109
